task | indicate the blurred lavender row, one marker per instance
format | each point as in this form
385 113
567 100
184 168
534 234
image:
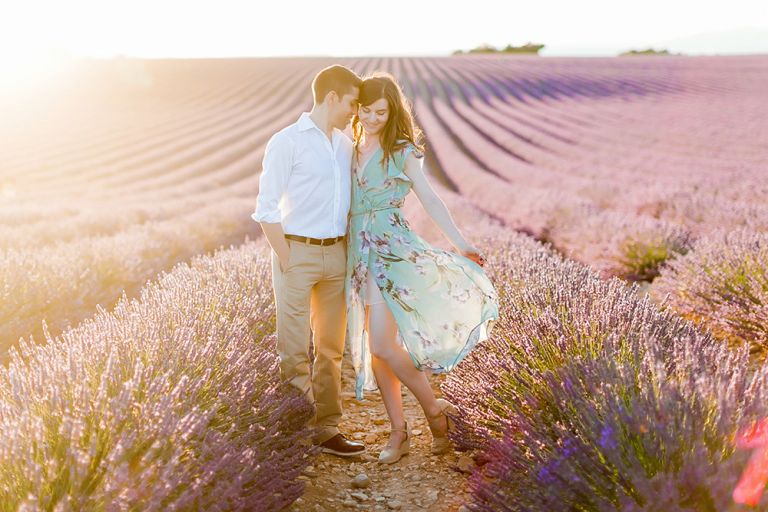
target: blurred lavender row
63 283
591 398
170 402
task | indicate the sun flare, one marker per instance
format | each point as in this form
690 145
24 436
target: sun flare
20 70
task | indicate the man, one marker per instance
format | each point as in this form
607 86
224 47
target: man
302 206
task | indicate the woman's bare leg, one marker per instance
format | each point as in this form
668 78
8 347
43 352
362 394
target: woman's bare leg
391 392
392 360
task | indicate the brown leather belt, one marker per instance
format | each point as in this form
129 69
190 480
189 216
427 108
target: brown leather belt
315 241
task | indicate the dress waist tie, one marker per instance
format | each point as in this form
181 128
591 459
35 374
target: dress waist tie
370 210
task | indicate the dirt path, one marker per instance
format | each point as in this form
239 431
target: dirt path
418 481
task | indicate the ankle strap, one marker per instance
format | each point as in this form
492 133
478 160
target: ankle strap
401 429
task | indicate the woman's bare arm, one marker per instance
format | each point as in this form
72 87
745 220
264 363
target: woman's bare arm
433 205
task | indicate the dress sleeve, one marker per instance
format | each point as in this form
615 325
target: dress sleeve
396 166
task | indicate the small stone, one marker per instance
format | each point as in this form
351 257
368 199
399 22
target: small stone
465 464
310 472
432 497
416 478
379 421
416 431
464 508
358 435
371 438
380 498
361 481
349 503
394 505
359 496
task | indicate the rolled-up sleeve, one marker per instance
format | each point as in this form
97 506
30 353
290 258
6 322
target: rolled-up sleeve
276 169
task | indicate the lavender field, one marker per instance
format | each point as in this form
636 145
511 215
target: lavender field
623 206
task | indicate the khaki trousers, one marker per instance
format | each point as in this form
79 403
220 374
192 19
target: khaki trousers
309 295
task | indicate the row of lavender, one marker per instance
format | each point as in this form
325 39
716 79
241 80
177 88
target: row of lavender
620 166
590 398
170 402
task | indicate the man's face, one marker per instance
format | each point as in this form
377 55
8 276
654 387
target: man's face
344 109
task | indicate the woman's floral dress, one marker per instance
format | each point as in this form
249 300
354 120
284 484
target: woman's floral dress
443 303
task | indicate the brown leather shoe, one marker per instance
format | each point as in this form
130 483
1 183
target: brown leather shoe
343 447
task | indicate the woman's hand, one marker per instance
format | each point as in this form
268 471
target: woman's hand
473 253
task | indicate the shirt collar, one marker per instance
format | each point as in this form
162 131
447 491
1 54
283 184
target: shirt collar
306 123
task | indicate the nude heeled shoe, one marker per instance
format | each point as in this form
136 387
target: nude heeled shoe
441 444
390 455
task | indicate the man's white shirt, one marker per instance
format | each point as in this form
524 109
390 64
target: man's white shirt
305 182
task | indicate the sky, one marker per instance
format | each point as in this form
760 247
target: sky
39 32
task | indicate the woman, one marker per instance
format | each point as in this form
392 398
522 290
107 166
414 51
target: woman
410 306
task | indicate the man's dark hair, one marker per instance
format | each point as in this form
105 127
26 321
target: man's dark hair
334 78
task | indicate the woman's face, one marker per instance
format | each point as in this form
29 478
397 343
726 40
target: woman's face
374 117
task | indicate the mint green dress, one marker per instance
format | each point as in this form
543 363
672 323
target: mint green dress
442 302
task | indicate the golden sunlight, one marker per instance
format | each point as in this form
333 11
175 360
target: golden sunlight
21 70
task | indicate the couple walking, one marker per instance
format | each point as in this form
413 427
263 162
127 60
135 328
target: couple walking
347 267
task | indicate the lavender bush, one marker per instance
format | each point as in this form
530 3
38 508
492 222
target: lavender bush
723 286
592 399
170 402
632 247
552 311
638 434
643 254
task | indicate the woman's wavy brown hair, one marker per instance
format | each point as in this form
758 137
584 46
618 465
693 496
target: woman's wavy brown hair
400 128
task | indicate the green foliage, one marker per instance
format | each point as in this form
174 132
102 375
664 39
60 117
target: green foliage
527 48
642 259
647 51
